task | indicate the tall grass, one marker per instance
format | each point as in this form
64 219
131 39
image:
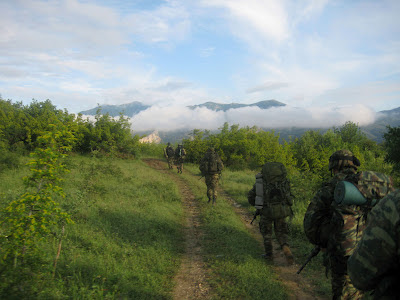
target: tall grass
127 239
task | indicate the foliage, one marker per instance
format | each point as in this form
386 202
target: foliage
392 146
239 148
36 214
20 127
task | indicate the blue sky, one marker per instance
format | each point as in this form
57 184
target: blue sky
323 58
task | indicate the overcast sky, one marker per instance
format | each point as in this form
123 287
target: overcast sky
328 60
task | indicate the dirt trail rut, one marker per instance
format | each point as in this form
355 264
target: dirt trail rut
191 280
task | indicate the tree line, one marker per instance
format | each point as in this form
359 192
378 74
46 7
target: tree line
239 147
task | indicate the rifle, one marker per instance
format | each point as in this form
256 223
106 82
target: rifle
258 212
313 253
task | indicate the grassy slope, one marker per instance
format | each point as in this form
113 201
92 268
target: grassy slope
127 239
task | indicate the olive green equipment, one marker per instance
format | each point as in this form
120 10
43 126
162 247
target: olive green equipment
313 253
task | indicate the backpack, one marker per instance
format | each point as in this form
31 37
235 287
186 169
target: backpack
170 151
179 152
354 198
214 164
211 164
273 191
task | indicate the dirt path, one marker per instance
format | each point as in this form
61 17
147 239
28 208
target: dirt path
191 280
298 286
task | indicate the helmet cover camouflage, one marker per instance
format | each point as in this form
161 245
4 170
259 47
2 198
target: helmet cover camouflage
343 159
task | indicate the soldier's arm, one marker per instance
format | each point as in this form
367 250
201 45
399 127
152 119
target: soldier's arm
375 256
317 218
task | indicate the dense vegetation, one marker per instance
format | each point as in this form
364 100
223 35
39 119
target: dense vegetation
67 231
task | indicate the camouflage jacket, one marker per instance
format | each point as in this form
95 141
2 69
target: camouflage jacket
317 219
375 264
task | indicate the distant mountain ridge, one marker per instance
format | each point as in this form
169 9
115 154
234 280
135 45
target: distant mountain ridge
133 108
374 131
128 109
266 104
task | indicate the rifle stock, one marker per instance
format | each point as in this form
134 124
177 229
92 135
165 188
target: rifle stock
313 253
258 212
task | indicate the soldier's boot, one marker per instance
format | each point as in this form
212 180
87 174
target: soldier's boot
267 256
288 254
214 199
209 199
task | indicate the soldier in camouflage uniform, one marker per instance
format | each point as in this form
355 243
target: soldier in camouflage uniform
211 167
169 153
375 264
180 154
319 228
273 217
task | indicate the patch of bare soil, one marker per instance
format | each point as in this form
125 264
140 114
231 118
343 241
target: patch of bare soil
191 280
299 287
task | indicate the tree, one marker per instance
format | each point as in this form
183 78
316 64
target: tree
392 146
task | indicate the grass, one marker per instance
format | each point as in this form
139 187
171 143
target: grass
238 183
232 254
127 241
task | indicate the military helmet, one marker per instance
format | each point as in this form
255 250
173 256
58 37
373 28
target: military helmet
343 159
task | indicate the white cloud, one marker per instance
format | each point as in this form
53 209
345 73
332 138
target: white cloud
178 117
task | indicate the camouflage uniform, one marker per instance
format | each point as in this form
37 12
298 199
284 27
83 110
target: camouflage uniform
169 157
211 178
274 214
179 157
319 228
375 264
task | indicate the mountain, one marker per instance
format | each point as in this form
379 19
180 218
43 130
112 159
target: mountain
374 131
129 109
218 106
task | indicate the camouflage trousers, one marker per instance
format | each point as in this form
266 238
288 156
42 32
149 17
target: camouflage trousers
179 164
281 232
212 183
170 161
342 288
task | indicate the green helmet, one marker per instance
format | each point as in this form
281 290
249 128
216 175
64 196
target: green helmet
343 159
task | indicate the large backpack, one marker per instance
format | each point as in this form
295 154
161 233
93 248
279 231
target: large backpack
354 198
170 151
214 164
211 164
273 191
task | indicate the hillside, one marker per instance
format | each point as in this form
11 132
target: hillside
128 109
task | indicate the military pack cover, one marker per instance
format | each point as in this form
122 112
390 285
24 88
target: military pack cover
277 195
170 151
350 220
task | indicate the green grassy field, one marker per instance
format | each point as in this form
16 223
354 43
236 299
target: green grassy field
127 241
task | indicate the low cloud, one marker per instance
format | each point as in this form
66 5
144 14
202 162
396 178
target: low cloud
178 118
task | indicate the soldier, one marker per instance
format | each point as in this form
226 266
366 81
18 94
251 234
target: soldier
375 264
211 167
179 157
169 155
319 229
272 197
